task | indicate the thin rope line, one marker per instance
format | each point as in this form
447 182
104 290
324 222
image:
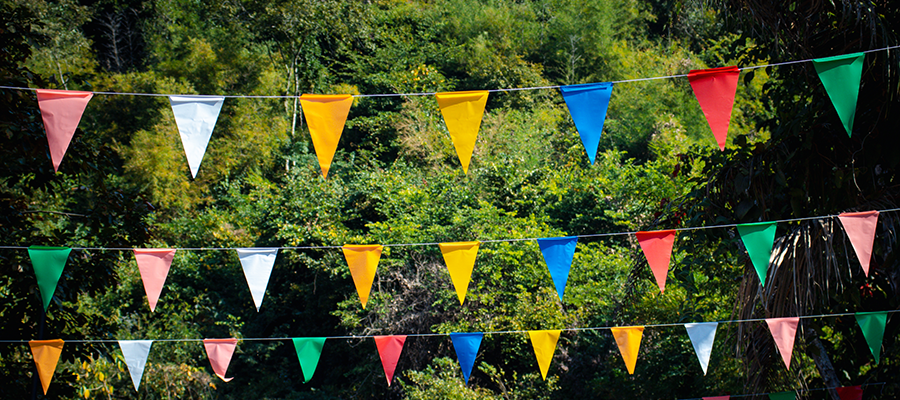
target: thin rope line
433 93
795 390
598 328
594 235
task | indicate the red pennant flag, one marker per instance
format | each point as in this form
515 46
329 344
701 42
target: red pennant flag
860 228
219 352
850 392
657 247
154 266
389 348
715 89
61 111
783 331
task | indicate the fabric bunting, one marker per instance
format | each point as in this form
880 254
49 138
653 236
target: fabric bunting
325 117
466 346
628 338
587 104
48 263
758 238
61 111
544 344
841 76
389 349
154 266
309 350
363 262
195 117
850 392
46 356
558 255
462 113
460 260
872 325
257 265
657 247
860 228
219 352
715 89
702 335
135 353
784 330
783 396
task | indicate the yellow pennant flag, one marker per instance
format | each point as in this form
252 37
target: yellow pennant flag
460 260
544 343
325 117
462 113
363 261
628 338
46 355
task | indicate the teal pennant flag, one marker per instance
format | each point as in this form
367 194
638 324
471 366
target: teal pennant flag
872 325
841 75
587 104
48 263
309 349
759 239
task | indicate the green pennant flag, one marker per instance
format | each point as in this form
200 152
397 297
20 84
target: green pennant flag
48 263
840 75
758 238
783 396
872 325
308 351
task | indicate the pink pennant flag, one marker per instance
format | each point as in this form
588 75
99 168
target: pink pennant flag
860 228
219 352
61 111
715 89
389 348
784 330
657 247
154 266
717 398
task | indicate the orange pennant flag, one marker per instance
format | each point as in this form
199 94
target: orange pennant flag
460 260
544 343
363 262
657 247
628 338
61 111
462 113
326 116
46 355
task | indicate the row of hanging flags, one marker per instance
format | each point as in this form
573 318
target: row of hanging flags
195 116
46 353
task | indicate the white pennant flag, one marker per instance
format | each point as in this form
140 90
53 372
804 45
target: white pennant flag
702 337
195 117
135 352
257 264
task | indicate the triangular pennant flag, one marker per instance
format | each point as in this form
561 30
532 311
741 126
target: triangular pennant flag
759 238
872 325
558 254
544 343
48 263
195 117
460 260
46 355
363 262
657 247
850 392
587 104
309 349
784 330
462 113
702 337
219 352
860 228
154 267
628 338
389 349
783 396
717 398
841 75
715 89
135 353
257 264
325 117
466 346
61 111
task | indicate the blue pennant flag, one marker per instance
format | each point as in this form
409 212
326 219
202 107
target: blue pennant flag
588 103
558 254
466 345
